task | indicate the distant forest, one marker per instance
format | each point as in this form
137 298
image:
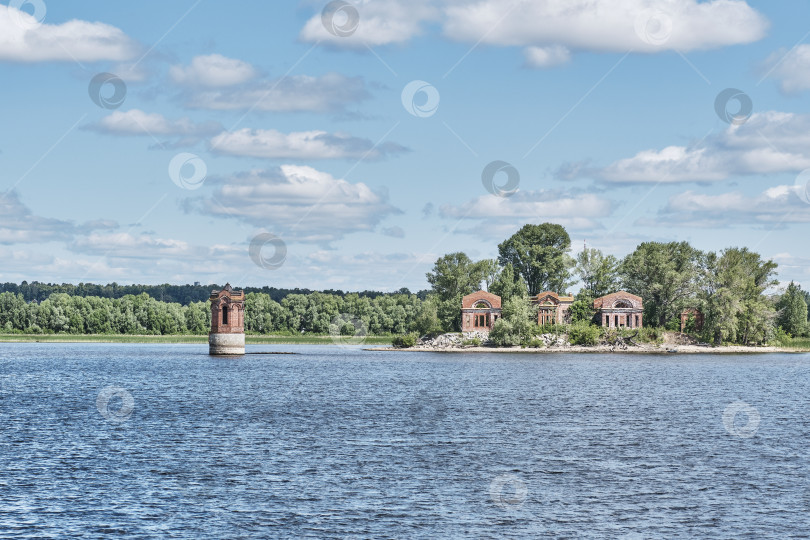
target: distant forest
736 290
180 294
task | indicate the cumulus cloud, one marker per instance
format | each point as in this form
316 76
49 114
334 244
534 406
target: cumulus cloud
794 264
607 25
212 71
791 68
544 57
138 122
298 203
24 39
498 215
551 28
269 143
327 93
769 142
18 225
776 206
381 22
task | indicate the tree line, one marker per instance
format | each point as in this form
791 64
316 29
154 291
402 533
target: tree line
181 294
735 288
316 312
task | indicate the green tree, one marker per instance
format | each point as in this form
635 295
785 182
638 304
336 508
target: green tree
793 311
517 320
489 271
582 307
508 284
734 297
599 272
454 276
664 275
427 317
539 253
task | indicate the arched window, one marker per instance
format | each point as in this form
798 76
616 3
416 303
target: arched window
224 314
623 304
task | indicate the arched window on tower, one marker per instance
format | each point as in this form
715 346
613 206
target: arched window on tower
224 314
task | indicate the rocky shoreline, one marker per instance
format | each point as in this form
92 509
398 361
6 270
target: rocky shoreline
558 343
599 349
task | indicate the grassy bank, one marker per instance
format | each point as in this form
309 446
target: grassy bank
124 338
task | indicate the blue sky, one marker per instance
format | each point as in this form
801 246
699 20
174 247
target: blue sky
605 108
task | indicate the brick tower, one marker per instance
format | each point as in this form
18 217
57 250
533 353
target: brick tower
227 336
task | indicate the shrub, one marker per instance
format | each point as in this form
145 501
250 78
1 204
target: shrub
535 343
649 334
503 334
404 341
781 338
584 333
673 325
472 342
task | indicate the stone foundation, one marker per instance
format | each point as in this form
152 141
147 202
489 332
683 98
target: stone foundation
226 344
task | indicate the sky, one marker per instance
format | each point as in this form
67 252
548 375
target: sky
349 144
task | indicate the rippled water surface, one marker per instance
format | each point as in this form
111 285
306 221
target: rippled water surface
105 440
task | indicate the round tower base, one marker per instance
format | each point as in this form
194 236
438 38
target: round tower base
226 344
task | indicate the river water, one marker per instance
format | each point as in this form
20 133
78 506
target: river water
103 441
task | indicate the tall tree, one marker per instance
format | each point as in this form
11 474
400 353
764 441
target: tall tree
539 253
489 271
734 296
664 275
453 276
793 311
508 284
599 272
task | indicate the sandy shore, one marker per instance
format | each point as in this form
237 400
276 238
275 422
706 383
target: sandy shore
642 349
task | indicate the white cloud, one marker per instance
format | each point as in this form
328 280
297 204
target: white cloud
543 57
23 39
776 206
298 203
551 27
138 122
606 25
212 71
381 22
791 68
330 92
794 264
499 215
18 225
769 142
270 143
127 245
